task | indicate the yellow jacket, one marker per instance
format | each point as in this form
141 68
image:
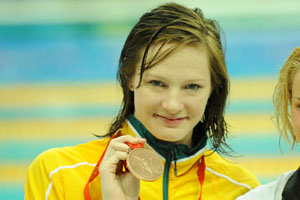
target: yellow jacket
62 173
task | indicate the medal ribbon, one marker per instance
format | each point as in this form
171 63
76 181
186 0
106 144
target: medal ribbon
95 173
201 175
133 146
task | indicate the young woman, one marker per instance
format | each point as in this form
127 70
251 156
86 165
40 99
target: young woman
175 84
287 112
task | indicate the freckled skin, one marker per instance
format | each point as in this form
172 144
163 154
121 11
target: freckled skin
173 94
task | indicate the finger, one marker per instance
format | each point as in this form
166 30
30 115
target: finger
118 146
130 139
118 150
115 157
110 163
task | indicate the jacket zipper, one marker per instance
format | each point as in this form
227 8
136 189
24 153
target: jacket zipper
171 156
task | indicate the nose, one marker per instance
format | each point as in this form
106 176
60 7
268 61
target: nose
172 102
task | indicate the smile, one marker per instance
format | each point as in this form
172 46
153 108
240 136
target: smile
170 120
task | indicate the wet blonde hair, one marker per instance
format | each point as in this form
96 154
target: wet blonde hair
283 94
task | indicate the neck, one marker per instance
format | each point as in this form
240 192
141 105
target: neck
163 147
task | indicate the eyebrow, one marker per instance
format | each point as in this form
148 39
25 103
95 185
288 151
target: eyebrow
155 75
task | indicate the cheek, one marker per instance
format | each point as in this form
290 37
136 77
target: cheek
197 106
143 100
138 101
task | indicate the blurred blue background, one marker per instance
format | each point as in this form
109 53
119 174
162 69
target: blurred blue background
58 61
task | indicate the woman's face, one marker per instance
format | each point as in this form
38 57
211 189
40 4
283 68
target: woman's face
295 105
173 94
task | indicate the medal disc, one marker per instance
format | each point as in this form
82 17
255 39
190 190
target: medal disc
144 164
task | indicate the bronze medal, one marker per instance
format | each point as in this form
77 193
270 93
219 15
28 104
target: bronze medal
144 164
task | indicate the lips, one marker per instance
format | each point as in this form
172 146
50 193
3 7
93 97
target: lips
170 120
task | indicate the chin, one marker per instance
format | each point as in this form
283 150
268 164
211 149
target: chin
168 138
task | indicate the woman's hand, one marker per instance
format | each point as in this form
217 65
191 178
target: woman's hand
115 184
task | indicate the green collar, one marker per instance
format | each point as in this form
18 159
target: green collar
163 147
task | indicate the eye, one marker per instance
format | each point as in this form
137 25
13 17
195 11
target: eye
156 83
192 87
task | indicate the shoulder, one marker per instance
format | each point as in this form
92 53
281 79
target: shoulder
57 171
270 191
234 173
67 156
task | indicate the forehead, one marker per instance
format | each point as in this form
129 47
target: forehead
190 58
185 63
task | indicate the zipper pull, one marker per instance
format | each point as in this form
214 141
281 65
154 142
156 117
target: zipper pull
174 157
175 169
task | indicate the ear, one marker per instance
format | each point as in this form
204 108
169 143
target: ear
131 85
